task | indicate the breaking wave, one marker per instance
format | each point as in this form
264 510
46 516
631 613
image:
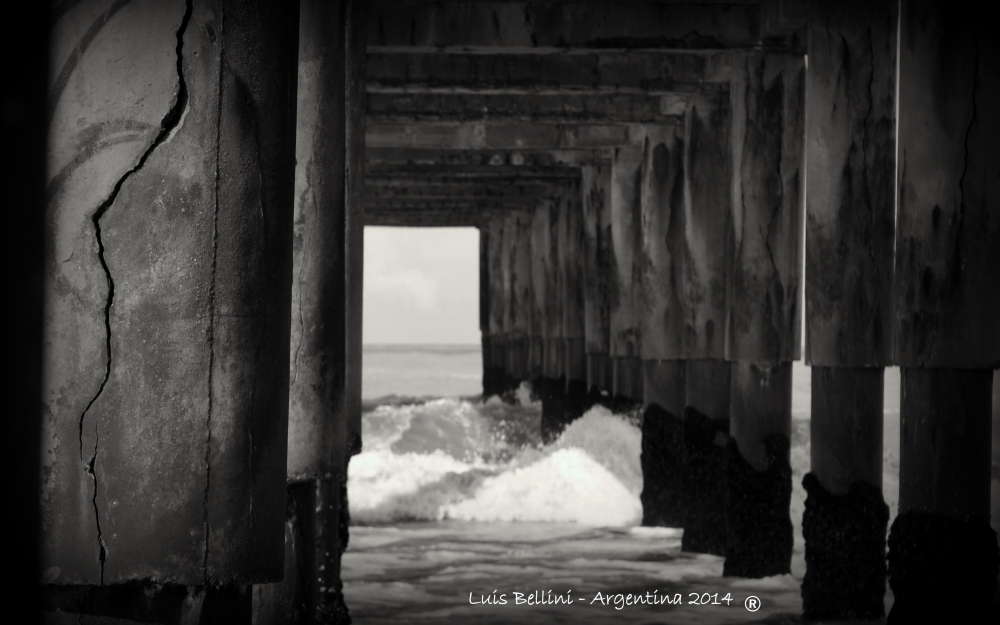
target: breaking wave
460 459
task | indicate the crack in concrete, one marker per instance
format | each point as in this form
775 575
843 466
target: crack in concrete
211 300
170 122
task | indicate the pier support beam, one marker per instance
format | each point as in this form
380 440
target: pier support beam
171 178
767 104
596 193
660 320
325 310
706 443
572 278
623 291
851 147
947 302
706 258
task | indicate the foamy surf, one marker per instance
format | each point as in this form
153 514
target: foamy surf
455 459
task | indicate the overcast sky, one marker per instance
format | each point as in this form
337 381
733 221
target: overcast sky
421 285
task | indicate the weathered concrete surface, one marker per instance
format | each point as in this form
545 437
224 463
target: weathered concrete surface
707 213
660 265
851 144
625 252
947 292
596 193
543 291
530 24
169 223
768 104
317 441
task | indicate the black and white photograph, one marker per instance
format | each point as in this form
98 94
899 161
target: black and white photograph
502 312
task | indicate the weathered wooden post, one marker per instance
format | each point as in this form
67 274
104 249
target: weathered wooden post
762 326
707 381
851 147
596 193
660 318
947 303
169 265
623 287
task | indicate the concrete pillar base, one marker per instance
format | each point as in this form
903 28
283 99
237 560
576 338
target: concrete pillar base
760 529
494 381
165 604
663 468
845 552
942 569
599 373
705 449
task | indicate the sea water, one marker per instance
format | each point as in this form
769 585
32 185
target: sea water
460 513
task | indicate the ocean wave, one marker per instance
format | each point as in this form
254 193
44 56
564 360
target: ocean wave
456 459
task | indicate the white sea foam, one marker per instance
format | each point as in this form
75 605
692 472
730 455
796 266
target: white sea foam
450 458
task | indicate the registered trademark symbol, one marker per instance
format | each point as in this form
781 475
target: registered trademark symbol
752 603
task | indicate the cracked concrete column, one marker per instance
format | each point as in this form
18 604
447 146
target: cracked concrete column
320 432
851 143
168 277
767 96
596 194
625 256
947 303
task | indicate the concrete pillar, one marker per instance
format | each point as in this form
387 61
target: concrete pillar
706 446
356 58
660 318
623 287
947 302
706 258
519 301
552 380
320 433
494 359
596 193
168 277
762 325
541 260
850 142
572 279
